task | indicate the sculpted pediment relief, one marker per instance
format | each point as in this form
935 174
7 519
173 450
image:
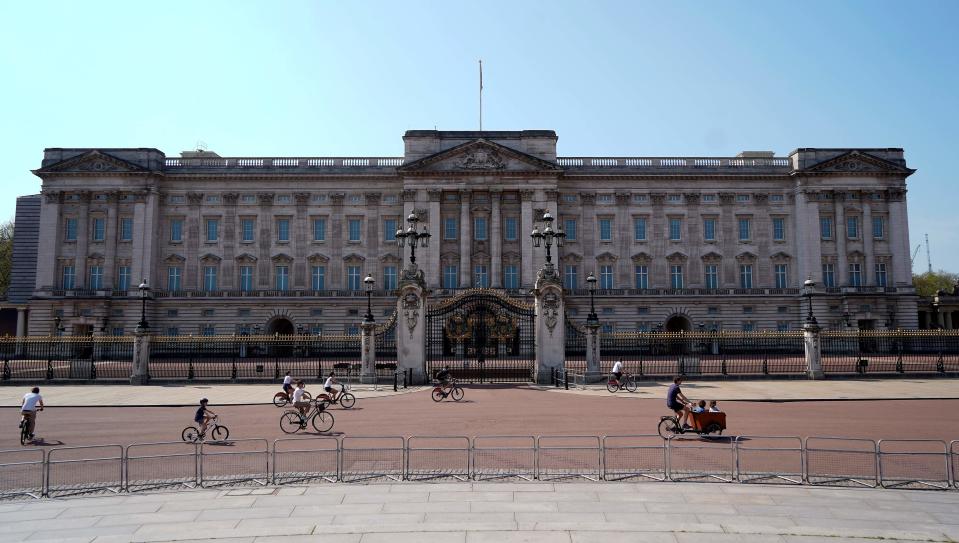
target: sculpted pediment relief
712 255
607 257
746 255
318 258
247 257
857 162
390 259
571 257
354 258
93 162
281 257
479 157
677 255
641 256
779 255
210 257
174 259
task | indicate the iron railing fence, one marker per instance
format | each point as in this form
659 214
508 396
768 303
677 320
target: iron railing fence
885 351
36 358
829 461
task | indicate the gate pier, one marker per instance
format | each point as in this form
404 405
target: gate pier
550 324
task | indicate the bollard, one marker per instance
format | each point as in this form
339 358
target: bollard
395 377
566 378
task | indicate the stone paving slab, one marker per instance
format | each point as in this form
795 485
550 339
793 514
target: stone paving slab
484 512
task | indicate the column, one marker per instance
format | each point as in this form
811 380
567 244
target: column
550 327
367 352
141 357
110 242
840 208
191 279
374 222
83 240
813 349
48 241
868 274
496 241
728 238
623 242
592 352
335 270
433 272
806 237
898 229
466 235
21 321
695 274
264 240
552 204
411 307
526 222
228 279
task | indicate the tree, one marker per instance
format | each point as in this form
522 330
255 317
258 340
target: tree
927 284
6 255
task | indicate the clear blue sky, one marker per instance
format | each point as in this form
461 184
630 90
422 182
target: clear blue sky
297 78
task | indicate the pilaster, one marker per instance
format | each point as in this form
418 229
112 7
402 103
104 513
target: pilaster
839 205
433 272
83 240
49 240
496 239
335 269
466 239
526 244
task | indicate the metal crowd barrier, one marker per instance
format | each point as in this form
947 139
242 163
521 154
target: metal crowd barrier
829 461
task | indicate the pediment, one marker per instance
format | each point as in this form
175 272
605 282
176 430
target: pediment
746 255
780 255
479 157
281 257
571 257
641 256
677 255
712 255
210 257
174 258
246 257
353 257
93 162
318 257
390 259
511 255
857 163
607 257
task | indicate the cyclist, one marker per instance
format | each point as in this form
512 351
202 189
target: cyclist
444 377
328 386
288 385
297 398
618 371
677 402
203 415
32 402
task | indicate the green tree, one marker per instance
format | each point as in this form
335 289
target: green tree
927 284
6 255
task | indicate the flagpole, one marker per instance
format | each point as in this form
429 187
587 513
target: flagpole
481 96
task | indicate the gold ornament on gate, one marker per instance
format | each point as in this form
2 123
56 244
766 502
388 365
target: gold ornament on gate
501 327
457 328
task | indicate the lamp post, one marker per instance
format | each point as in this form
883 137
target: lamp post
369 282
808 287
591 285
144 289
548 236
412 237
935 312
58 326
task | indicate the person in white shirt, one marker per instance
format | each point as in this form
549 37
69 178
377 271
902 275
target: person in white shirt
287 384
713 408
298 401
32 402
700 407
328 386
618 370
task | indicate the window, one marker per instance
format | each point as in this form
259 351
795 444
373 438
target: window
828 275
569 197
70 229
213 199
126 229
209 278
606 277
209 330
318 277
353 277
605 229
570 280
609 311
319 229
570 229
355 225
479 228
123 278
852 227
173 274
782 275
855 275
880 274
247 226
747 310
282 275
173 331
316 330
709 197
676 276
249 198
607 328
641 273
741 198
712 310
96 277
451 277
825 227
389 277
709 229
99 229
878 228
779 229
69 277
284 199
283 230
675 229
712 276
745 276
509 225
511 277
355 199
776 198
118 331
212 229
176 230
642 310
744 229
604 198
389 230
749 326
639 229
246 278
449 228
639 198
177 199
352 331
390 199
674 198
480 277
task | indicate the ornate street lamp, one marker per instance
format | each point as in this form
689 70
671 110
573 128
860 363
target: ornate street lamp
591 285
935 312
58 326
369 282
412 237
548 236
144 289
808 287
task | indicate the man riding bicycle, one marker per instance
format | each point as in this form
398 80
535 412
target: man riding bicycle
328 386
288 385
444 377
677 402
297 399
203 416
618 370
32 402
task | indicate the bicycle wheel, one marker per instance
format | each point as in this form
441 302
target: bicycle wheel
190 434
669 427
437 395
290 422
347 400
323 421
24 433
631 384
612 385
280 399
456 393
307 397
221 433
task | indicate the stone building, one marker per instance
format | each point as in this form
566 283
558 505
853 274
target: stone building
280 245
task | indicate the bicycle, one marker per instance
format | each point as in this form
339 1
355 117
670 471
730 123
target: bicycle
292 421
192 434
25 435
281 399
454 391
704 423
345 398
627 381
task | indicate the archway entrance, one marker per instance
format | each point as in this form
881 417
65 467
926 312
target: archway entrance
281 326
678 323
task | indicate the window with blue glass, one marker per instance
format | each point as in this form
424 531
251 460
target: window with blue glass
282 275
246 278
709 229
248 228
96 277
825 227
676 276
283 230
451 278
353 277
389 277
176 229
212 229
852 227
779 229
606 229
69 277
173 275
319 229
639 229
781 272
744 227
570 229
126 228
746 276
880 274
354 227
606 277
878 228
509 226
642 276
449 228
510 276
209 278
479 228
389 230
675 229
123 278
99 229
70 229
570 276
855 275
828 275
712 275
480 276
318 277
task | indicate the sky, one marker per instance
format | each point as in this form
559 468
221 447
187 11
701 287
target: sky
310 78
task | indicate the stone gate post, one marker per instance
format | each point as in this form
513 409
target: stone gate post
813 348
411 309
592 352
141 358
550 324
368 352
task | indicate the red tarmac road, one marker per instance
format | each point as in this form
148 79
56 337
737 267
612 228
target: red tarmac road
500 411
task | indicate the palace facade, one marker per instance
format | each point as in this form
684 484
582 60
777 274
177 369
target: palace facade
282 245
